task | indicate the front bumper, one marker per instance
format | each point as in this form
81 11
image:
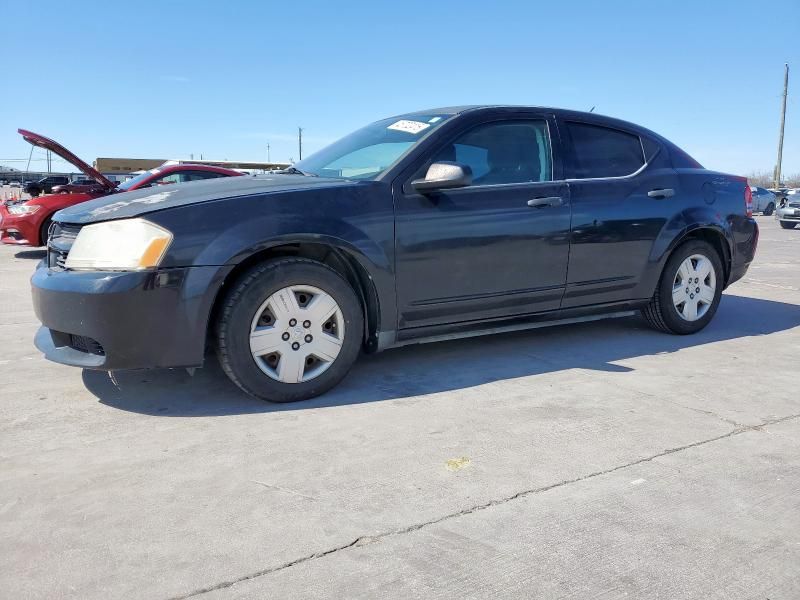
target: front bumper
18 230
787 213
113 320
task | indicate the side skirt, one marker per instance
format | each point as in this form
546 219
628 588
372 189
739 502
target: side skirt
394 339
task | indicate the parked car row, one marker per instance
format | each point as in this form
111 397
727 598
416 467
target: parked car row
425 226
27 223
784 203
45 185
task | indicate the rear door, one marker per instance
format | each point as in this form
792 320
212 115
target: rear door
623 191
496 248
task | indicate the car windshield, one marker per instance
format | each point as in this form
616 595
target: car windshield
126 185
368 152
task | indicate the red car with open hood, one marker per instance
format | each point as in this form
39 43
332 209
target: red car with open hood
26 223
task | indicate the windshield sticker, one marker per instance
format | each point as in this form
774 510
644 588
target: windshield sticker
435 120
408 126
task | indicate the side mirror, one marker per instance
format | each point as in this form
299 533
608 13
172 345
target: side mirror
443 175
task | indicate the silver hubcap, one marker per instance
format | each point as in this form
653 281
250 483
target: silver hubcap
694 287
297 334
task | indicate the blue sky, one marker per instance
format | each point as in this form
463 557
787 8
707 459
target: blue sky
171 78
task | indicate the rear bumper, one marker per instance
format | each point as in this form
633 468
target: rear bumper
111 320
744 251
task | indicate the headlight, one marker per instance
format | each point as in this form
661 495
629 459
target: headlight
23 209
127 245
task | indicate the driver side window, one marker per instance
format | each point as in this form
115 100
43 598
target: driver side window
503 152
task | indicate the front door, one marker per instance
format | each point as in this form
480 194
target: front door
496 248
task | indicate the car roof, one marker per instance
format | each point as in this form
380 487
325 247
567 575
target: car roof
565 113
195 167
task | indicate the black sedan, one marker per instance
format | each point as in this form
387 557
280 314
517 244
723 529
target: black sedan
426 226
45 185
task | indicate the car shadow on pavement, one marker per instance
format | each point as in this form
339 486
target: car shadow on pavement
431 368
32 254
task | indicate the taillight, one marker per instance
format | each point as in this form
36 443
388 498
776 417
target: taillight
748 200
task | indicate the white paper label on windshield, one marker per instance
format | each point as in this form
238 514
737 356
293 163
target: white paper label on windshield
408 126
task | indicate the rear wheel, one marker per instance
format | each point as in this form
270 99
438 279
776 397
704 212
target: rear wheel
689 292
770 209
289 330
787 224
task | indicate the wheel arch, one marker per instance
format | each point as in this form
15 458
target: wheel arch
714 236
342 259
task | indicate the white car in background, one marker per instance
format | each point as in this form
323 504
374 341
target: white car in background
788 213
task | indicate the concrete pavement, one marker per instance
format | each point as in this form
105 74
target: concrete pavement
595 460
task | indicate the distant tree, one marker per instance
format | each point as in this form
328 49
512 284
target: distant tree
760 179
792 180
765 179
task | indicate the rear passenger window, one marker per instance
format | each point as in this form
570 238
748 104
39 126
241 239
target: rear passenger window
602 152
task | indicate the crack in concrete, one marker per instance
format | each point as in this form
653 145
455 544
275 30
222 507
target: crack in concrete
282 489
710 413
369 539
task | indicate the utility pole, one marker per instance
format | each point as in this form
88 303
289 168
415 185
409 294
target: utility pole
300 142
777 182
268 159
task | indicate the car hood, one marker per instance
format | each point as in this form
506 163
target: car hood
53 146
139 202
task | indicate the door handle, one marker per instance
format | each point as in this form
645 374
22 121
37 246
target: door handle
545 201
663 193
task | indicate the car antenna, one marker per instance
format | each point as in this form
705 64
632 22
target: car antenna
591 109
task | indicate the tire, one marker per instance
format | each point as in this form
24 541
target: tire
44 229
247 307
769 210
663 314
787 224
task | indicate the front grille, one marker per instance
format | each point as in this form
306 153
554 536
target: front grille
794 204
59 241
86 344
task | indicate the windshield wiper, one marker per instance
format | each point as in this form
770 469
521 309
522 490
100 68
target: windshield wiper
295 171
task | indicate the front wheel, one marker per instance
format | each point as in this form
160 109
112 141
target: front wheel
787 224
289 330
44 231
690 290
769 210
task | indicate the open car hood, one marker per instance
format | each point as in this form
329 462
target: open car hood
48 144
